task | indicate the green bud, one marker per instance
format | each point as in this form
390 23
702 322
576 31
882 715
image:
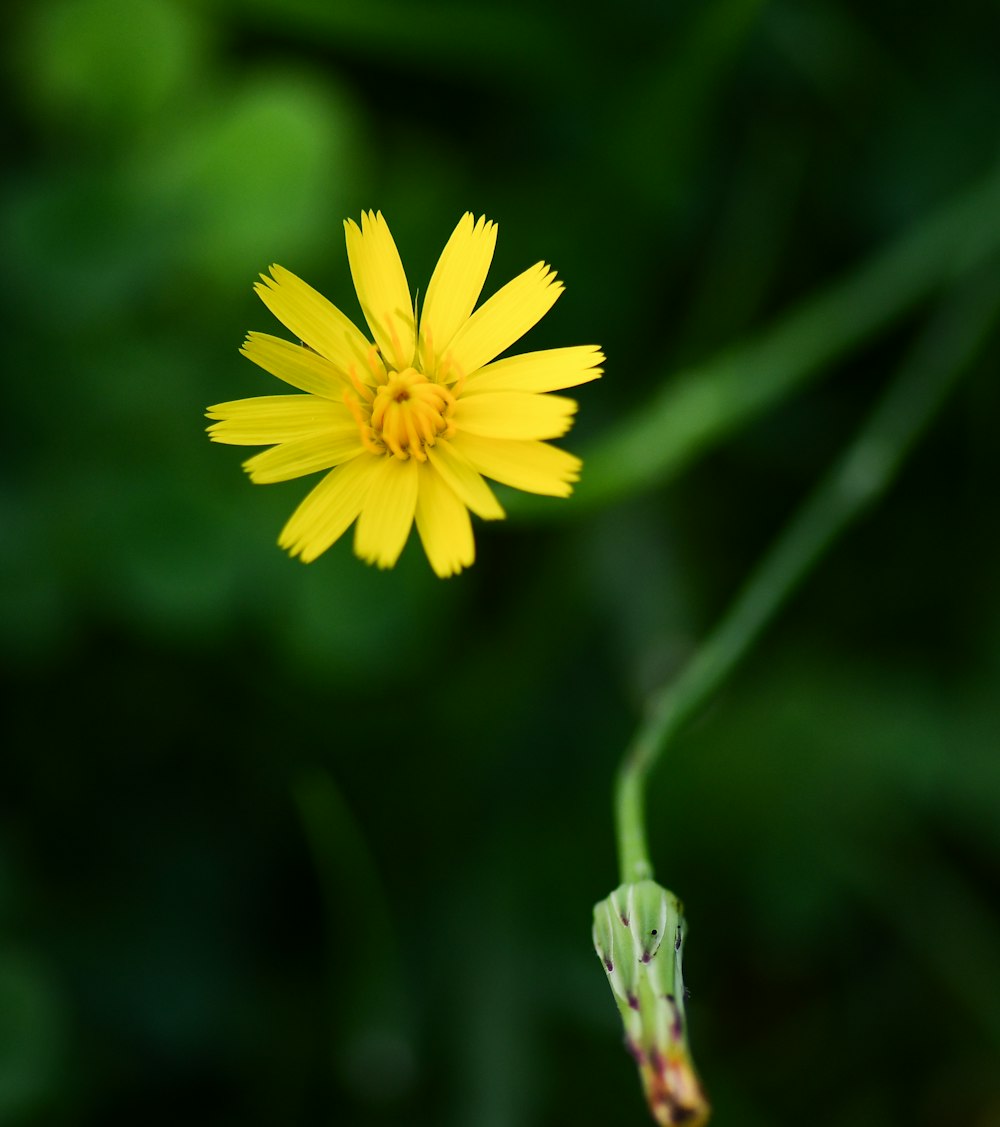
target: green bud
639 937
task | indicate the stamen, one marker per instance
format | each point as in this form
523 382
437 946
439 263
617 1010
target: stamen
397 344
368 438
408 414
351 403
445 369
362 388
414 445
426 420
378 412
393 443
427 348
374 364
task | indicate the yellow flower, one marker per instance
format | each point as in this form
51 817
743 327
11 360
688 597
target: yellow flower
408 426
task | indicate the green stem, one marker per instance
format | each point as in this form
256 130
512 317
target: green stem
862 474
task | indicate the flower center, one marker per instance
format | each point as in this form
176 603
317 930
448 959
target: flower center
410 413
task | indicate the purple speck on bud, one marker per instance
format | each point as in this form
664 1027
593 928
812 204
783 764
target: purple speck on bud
633 1002
676 1026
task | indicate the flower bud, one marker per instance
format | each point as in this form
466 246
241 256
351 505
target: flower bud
639 937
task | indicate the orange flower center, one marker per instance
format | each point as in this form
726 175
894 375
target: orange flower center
410 413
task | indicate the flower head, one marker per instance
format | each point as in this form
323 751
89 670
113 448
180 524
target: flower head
409 423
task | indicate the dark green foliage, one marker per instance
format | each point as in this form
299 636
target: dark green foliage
319 845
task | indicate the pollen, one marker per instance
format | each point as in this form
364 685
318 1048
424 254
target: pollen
410 413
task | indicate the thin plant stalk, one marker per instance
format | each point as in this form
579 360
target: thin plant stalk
948 343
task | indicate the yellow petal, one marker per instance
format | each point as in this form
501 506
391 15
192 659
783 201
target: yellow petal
328 510
298 366
319 451
274 418
444 525
534 467
316 321
455 285
387 516
465 482
514 414
380 281
505 318
552 369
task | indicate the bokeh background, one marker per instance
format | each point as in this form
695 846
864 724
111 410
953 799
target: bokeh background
319 845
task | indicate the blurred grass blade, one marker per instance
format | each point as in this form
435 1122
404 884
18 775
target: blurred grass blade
958 946
360 923
703 405
477 40
680 87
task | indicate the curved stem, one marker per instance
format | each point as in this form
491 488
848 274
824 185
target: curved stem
949 341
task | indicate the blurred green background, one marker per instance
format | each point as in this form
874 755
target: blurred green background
314 845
